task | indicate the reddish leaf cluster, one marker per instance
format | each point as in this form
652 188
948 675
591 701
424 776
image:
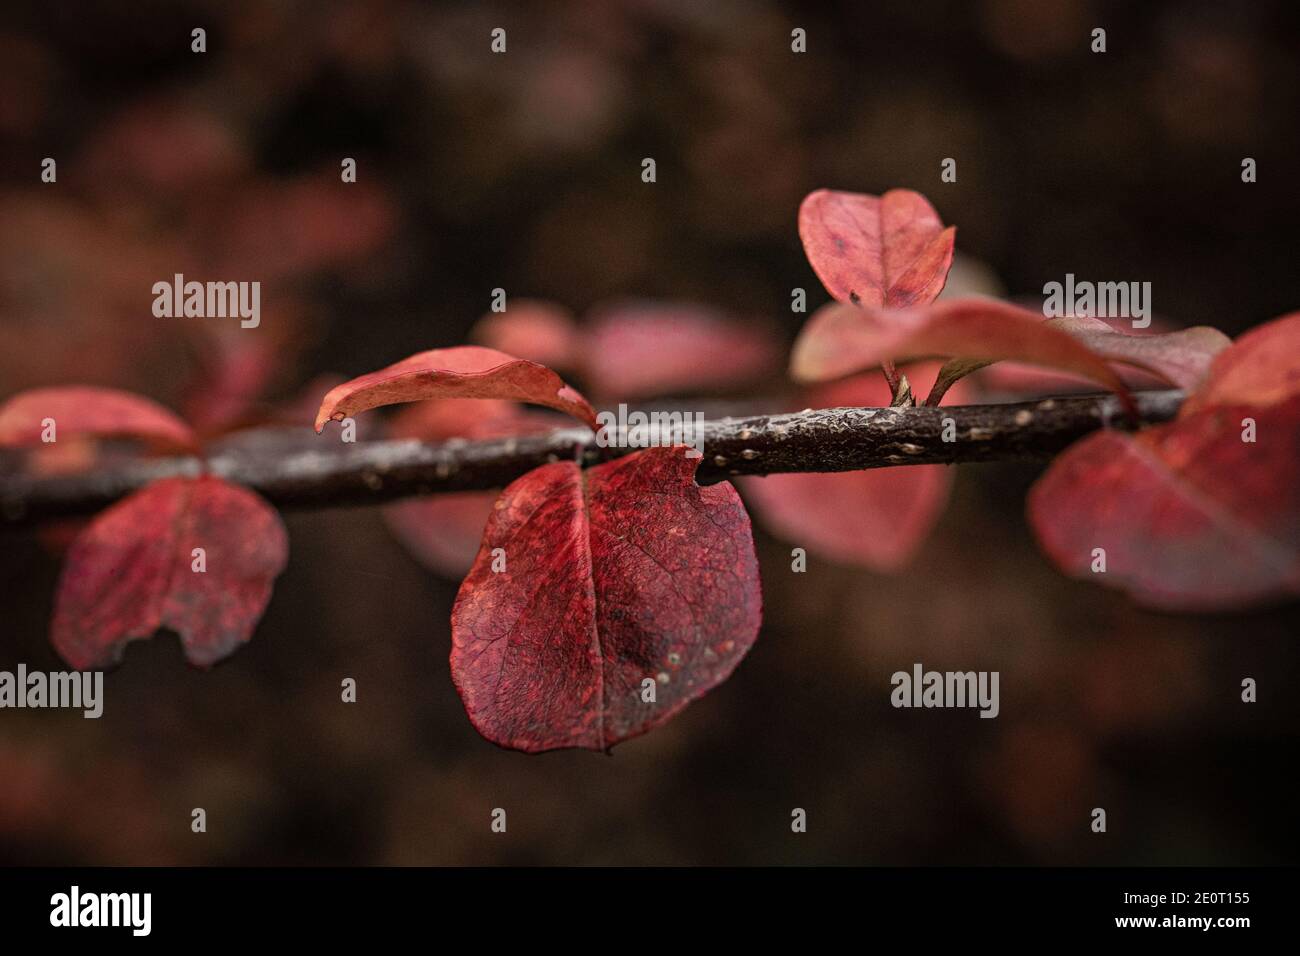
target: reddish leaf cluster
601 602
1202 513
887 310
885 260
195 555
872 253
621 350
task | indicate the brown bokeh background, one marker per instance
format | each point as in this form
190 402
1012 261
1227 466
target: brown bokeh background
522 171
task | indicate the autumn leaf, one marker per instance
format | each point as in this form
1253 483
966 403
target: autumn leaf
877 518
134 569
467 371
840 339
1021 381
624 574
634 349
876 251
234 373
1261 368
641 350
83 411
1182 358
1155 358
1190 515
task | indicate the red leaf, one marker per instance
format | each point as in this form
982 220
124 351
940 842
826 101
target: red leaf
1019 379
443 531
1023 381
235 372
467 371
1181 358
876 518
624 572
635 349
890 250
130 572
1260 368
83 411
1154 358
1190 516
641 350
841 339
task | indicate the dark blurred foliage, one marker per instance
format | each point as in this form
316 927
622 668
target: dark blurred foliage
522 171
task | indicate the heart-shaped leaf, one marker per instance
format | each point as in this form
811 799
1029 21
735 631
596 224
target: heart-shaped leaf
1261 368
196 555
1187 515
84 411
875 251
603 602
840 339
467 371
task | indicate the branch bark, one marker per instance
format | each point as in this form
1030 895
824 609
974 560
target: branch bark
827 440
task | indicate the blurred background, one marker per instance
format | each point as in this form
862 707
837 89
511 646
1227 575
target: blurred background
522 171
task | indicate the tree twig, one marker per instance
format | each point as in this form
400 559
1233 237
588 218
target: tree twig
827 440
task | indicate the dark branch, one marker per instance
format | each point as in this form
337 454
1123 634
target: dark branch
834 439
